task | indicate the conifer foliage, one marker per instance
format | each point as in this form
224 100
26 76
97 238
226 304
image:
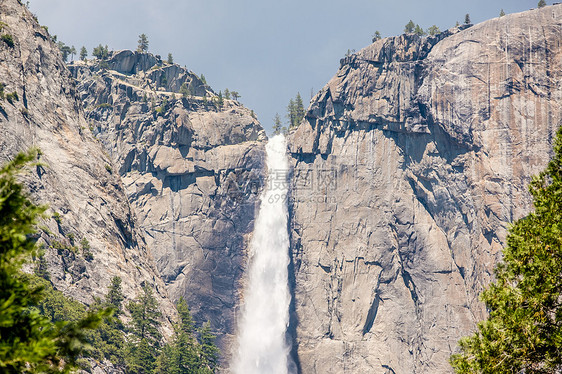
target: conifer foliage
83 53
410 27
142 43
100 52
144 342
523 333
185 354
278 128
43 331
29 341
295 111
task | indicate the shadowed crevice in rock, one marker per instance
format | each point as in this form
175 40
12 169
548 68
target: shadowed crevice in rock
409 283
293 317
372 314
389 370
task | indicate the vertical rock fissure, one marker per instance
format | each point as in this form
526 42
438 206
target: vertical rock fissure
293 320
262 331
372 314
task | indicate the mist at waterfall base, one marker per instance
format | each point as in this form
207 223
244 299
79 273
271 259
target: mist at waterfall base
262 344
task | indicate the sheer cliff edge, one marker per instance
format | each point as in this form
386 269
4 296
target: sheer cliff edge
408 167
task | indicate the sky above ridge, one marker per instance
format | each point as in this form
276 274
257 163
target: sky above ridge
266 50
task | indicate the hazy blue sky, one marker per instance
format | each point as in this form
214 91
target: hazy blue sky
266 50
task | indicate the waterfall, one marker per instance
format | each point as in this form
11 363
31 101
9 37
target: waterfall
262 345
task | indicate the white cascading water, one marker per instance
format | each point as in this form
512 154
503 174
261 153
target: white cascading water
262 345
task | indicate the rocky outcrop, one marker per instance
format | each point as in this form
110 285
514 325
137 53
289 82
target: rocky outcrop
408 167
90 234
192 164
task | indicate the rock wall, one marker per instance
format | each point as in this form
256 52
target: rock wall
86 197
408 168
192 167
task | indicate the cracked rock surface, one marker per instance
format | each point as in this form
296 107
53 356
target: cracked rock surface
192 169
408 168
86 198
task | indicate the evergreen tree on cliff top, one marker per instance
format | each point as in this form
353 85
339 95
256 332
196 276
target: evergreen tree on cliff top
524 330
143 43
409 28
83 53
277 126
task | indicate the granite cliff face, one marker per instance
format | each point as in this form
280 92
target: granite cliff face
86 198
192 166
408 167
141 167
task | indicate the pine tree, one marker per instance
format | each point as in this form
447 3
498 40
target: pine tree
184 341
145 315
83 53
30 342
185 320
72 53
183 354
502 13
419 30
65 50
144 345
184 89
115 297
143 43
226 94
291 112
100 52
220 99
108 339
277 126
209 351
111 340
409 28
376 36
235 95
541 4
41 267
295 111
170 59
141 358
299 110
433 30
523 333
467 19
167 362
